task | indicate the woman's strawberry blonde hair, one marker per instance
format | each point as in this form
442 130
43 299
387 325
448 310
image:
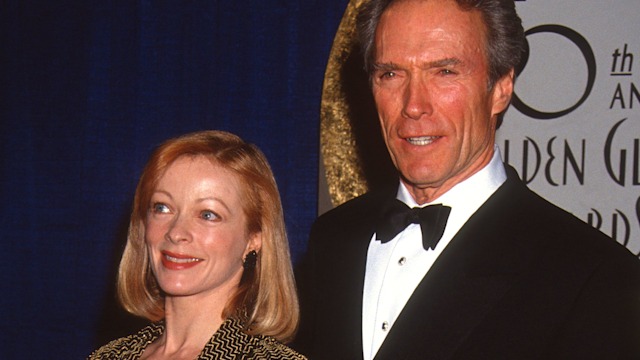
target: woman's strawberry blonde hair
266 297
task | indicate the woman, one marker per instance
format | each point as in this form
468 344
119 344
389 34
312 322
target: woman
207 258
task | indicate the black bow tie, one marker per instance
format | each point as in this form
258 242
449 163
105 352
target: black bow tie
398 216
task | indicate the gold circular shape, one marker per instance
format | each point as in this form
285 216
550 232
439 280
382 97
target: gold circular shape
352 148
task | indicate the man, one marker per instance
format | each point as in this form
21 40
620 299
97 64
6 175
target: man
512 276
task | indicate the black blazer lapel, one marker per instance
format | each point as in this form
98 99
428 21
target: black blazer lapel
334 283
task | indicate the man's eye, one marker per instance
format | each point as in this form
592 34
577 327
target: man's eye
387 75
160 208
209 215
447 72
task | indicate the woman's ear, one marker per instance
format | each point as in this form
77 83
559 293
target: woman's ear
501 93
254 243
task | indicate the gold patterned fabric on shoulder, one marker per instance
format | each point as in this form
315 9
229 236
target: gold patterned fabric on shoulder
231 342
129 347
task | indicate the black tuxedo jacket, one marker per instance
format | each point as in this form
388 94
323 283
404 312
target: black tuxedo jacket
522 279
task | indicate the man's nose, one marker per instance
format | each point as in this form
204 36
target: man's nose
416 98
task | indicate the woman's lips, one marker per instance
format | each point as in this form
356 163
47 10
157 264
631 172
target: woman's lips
173 261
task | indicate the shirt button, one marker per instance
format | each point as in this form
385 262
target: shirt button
402 261
385 326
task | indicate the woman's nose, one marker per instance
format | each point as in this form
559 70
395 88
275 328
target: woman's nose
179 230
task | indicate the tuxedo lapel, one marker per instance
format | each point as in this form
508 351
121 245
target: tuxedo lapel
350 273
465 282
342 237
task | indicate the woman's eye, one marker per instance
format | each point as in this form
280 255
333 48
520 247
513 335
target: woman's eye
209 215
160 208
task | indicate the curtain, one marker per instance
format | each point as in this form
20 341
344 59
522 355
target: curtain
89 88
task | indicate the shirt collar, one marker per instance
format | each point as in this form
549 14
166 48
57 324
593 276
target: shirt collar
471 192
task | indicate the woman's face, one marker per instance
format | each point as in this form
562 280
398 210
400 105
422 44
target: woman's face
196 230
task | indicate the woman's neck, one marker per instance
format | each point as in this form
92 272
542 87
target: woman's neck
190 322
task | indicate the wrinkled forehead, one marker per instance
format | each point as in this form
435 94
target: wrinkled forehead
428 24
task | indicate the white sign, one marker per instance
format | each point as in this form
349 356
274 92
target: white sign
573 129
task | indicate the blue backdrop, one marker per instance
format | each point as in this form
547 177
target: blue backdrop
89 88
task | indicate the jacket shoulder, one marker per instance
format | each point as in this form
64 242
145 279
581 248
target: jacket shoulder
266 347
128 347
361 208
538 220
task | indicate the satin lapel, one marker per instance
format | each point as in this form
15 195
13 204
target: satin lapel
345 240
350 276
466 281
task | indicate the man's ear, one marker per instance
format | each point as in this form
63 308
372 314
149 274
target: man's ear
501 93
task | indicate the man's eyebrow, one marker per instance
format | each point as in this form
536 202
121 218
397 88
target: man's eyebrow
385 67
443 62
428 65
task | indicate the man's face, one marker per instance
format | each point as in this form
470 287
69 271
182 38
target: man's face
430 85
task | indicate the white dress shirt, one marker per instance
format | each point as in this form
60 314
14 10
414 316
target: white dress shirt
394 269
